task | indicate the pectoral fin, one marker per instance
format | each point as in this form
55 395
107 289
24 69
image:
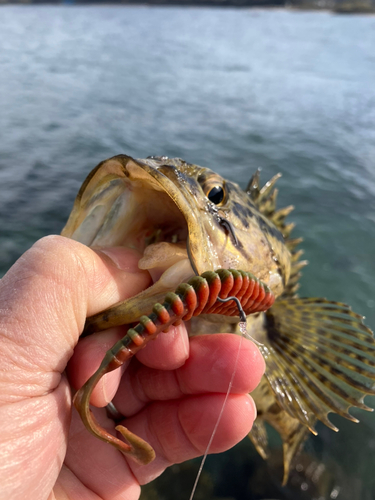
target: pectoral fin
320 358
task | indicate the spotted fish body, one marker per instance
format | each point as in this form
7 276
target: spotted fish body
187 220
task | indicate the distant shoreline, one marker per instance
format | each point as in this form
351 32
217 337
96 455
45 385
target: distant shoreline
339 7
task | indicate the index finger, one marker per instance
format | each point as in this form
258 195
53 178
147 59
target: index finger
167 352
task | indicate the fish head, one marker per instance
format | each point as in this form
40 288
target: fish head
184 220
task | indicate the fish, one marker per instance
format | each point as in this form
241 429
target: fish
187 221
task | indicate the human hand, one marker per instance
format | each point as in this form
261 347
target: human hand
171 394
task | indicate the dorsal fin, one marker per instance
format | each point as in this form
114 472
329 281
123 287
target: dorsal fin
264 198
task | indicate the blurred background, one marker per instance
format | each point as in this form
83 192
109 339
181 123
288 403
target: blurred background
233 89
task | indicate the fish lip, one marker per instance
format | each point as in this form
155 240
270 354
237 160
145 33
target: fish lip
182 203
132 170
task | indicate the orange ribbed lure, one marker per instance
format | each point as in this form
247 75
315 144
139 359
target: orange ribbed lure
210 293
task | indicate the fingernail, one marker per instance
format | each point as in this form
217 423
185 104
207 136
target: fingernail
253 405
110 382
105 394
125 259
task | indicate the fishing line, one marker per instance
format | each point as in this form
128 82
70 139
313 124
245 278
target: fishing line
242 326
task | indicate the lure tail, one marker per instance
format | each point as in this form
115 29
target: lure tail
205 294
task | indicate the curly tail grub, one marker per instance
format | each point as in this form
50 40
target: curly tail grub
201 295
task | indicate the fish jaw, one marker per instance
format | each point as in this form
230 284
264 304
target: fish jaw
143 205
160 208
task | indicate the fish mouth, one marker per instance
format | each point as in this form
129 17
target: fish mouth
142 204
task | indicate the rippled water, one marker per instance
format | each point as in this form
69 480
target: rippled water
234 90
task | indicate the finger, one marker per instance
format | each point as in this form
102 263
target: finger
88 354
97 465
168 351
45 299
177 430
180 430
209 368
68 486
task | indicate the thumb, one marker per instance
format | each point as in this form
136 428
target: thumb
44 301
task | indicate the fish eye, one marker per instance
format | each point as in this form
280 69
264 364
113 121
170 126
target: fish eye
213 186
216 194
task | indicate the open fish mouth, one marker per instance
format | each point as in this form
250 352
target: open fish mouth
147 206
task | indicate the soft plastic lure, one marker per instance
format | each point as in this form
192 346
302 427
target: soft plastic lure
210 293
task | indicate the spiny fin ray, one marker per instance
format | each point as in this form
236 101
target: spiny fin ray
320 358
264 199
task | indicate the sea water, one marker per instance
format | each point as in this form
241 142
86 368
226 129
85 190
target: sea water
230 89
